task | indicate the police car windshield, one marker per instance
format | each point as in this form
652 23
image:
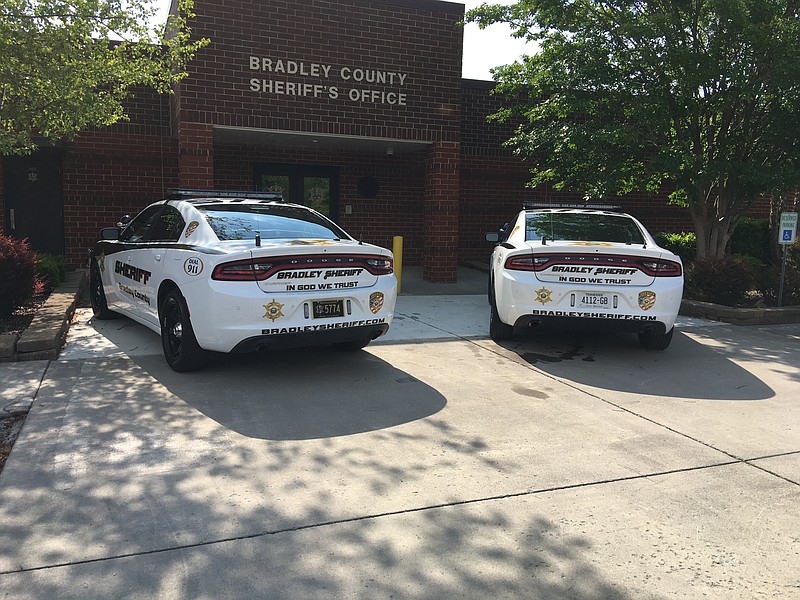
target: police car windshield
243 221
584 227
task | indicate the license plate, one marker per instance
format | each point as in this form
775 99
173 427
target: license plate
595 300
326 309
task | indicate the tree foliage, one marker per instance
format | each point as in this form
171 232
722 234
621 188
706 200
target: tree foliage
66 65
700 98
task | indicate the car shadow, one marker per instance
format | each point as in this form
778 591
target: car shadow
300 394
687 369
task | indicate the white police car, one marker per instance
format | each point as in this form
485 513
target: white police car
241 271
583 269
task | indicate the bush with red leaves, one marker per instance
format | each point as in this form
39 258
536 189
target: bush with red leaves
18 281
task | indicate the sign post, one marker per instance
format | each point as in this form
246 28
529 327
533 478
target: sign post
787 235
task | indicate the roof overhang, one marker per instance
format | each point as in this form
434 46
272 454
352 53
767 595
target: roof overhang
298 140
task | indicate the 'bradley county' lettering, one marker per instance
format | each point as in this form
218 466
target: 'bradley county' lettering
322 72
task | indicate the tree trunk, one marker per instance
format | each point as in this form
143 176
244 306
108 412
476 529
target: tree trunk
711 226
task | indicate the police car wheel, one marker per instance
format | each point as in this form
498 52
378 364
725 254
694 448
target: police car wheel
352 345
181 350
656 341
498 330
98 296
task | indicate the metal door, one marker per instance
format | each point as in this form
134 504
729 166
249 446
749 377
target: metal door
34 202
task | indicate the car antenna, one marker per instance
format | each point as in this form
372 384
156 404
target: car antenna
544 240
258 238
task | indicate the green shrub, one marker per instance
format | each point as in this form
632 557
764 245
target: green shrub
722 281
751 237
50 270
768 280
769 285
794 255
683 244
18 282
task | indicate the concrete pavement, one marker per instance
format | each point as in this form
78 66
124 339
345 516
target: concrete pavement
434 464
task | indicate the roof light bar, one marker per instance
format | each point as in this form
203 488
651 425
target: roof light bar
568 205
188 194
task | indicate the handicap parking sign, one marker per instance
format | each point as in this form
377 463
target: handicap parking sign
788 228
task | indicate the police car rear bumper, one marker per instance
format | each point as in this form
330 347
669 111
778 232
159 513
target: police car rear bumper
619 323
299 339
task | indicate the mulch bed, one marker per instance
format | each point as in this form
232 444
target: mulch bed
22 317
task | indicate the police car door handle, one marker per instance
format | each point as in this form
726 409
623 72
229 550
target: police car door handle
157 257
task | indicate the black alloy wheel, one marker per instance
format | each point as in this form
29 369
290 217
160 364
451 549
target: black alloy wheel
181 350
498 330
656 341
98 296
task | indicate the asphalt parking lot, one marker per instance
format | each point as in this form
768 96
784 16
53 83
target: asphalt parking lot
433 464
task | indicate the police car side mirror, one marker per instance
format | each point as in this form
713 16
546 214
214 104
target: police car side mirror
492 237
109 233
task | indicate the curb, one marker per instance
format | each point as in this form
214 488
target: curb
740 316
44 337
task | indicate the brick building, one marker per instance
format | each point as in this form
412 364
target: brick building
356 107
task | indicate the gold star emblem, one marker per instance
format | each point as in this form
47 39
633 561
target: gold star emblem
273 310
101 261
543 296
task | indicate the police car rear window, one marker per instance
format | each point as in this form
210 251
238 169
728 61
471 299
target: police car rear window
239 222
584 227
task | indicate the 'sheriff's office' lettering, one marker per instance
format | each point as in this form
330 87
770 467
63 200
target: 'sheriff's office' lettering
322 71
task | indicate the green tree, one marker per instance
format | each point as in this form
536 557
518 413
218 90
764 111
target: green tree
699 98
66 65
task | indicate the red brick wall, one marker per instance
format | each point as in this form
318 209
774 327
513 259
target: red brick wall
441 213
417 40
117 170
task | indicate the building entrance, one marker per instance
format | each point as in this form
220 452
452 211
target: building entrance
34 202
313 186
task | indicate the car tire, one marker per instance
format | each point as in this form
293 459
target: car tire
181 350
498 330
352 345
97 295
656 341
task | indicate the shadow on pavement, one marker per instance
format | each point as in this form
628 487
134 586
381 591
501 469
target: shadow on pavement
300 394
687 369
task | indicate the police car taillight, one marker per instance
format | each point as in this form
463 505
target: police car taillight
527 263
241 270
379 265
661 268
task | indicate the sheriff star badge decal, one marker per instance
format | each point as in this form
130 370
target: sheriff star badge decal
273 310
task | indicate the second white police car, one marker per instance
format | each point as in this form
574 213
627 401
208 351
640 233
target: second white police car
583 269
241 271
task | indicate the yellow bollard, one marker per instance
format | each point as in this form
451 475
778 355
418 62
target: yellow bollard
397 250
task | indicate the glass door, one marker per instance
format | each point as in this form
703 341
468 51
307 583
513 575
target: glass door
315 187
